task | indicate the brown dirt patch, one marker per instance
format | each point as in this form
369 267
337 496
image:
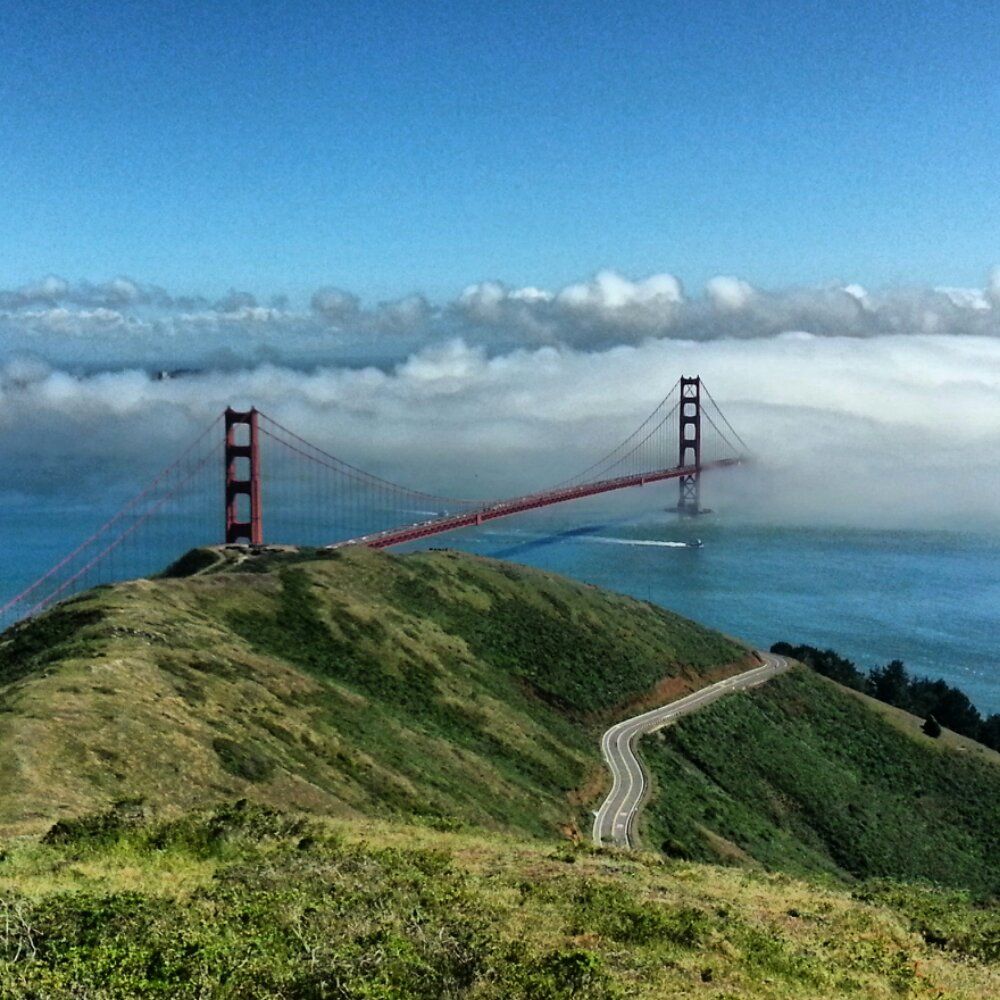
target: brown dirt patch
671 688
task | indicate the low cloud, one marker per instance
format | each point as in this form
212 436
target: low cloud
335 306
65 321
611 309
52 290
890 430
608 309
340 310
863 406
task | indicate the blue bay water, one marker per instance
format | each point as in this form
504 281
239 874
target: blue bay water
931 599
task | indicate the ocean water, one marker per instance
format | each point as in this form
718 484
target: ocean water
931 599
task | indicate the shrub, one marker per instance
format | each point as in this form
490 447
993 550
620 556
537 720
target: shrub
611 911
242 761
98 828
193 561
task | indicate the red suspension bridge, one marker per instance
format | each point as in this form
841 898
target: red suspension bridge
278 486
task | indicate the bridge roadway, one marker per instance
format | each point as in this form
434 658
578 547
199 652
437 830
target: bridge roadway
614 822
517 505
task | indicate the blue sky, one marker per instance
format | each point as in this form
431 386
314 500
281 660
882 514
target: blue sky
394 147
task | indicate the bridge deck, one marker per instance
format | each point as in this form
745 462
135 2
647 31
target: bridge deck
517 505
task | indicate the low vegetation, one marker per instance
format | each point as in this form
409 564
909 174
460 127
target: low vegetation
801 776
353 775
248 902
934 700
446 687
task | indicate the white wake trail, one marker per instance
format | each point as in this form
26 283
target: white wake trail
603 540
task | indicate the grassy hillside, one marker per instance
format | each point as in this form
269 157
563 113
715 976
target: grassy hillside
207 751
251 904
435 685
803 776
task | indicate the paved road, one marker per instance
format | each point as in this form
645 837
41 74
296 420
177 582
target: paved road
614 821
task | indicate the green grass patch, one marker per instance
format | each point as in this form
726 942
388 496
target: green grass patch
242 760
245 901
802 777
58 634
582 649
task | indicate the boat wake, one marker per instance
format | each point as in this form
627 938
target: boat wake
604 540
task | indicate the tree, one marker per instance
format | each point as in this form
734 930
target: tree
890 683
825 662
989 731
955 711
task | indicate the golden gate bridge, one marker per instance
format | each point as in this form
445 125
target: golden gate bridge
248 480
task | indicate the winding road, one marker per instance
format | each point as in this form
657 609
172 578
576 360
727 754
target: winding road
614 821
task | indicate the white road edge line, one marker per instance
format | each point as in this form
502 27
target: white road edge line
618 748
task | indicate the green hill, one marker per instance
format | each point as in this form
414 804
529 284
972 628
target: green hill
804 776
348 683
242 902
310 775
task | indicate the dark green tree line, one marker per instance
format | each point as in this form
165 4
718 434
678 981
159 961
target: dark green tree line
893 684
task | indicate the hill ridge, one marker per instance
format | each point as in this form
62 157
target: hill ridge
351 682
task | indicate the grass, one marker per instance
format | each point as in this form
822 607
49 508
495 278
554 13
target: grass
801 776
561 643
446 687
250 902
30 646
354 775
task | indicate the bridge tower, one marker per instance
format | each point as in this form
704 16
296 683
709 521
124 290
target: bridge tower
244 521
689 446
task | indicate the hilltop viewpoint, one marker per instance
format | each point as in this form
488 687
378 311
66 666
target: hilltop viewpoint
309 773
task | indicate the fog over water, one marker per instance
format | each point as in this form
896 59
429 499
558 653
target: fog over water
875 413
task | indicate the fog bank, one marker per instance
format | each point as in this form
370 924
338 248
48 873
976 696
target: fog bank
899 430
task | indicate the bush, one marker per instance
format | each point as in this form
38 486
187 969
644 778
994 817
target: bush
240 821
571 974
610 911
98 828
242 761
193 561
